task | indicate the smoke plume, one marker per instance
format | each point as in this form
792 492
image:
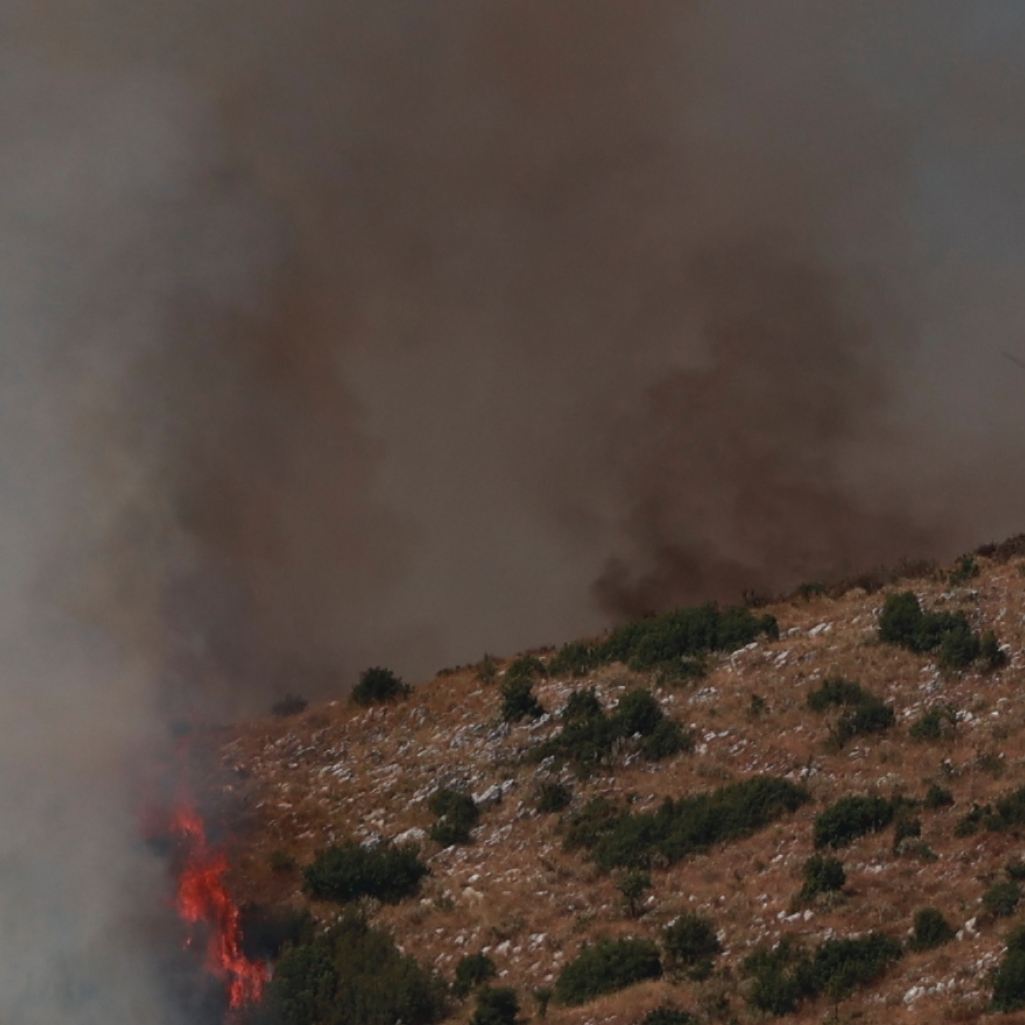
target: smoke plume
350 333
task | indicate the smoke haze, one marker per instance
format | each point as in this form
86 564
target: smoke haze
349 333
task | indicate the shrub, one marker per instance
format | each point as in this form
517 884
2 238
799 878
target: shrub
683 635
822 874
937 797
906 827
266 932
871 717
786 975
281 861
685 826
666 1015
608 966
349 870
852 817
970 823
526 667
838 692
379 686
457 815
496 1005
903 623
519 701
937 723
473 971
486 670
991 654
574 659
1009 982
638 712
966 568
354 975
931 930
1001 900
553 797
633 886
668 738
290 704
863 712
691 940
589 737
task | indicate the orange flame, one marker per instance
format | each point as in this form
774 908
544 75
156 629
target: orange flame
204 900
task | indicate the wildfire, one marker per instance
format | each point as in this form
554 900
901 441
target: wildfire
203 900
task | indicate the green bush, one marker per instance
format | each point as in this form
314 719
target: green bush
457 815
1001 900
473 971
966 568
589 737
906 827
1009 982
638 712
863 713
633 885
574 659
486 670
665 1015
937 723
608 966
838 692
970 823
991 654
496 1005
683 635
354 975
526 667
379 686
822 874
552 797
685 826
931 930
852 817
667 739
786 975
691 940
346 871
903 623
937 797
266 931
519 701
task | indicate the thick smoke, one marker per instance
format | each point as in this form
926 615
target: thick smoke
354 332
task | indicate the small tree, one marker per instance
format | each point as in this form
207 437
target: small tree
519 701
931 930
822 874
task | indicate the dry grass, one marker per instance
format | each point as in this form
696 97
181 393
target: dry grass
337 772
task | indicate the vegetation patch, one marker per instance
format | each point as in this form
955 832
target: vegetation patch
347 871
553 796
590 737
1007 814
850 818
903 623
691 942
931 930
666 1015
673 643
685 826
457 815
822 874
1009 977
519 701
862 711
354 975
379 686
473 971
608 966
936 723
785 976
496 1005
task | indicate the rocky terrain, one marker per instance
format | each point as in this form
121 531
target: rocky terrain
337 771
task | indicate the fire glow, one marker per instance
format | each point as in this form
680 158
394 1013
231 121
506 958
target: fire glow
204 903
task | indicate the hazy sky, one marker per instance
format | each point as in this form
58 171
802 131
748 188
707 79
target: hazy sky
381 331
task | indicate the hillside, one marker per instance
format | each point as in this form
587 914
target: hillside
337 772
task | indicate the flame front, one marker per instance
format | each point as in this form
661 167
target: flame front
204 900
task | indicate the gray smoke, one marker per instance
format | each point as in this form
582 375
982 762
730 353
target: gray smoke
350 333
